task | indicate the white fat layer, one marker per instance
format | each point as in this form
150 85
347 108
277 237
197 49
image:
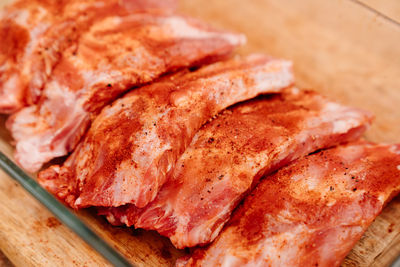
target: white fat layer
182 29
9 92
78 201
179 27
22 17
395 149
275 75
202 232
343 118
229 261
124 219
110 217
127 177
331 202
344 126
382 198
39 146
295 90
35 34
267 248
270 248
267 78
311 183
94 77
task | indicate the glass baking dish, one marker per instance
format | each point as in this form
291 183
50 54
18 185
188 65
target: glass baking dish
61 212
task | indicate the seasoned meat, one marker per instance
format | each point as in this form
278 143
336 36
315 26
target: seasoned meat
228 156
114 55
76 20
310 213
35 33
21 26
135 142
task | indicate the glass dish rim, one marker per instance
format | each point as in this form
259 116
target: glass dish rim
62 213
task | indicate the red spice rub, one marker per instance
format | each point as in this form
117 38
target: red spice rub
135 142
229 155
114 55
310 213
35 34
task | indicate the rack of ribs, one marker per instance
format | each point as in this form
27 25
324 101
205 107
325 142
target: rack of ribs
310 213
77 18
135 142
21 26
35 33
114 55
230 154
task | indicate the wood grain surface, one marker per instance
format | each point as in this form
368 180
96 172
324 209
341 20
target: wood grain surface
347 49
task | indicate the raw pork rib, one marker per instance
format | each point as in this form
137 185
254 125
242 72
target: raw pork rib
114 55
21 25
135 142
310 213
229 155
29 50
76 20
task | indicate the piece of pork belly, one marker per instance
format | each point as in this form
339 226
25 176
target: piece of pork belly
230 154
135 142
114 55
34 34
310 213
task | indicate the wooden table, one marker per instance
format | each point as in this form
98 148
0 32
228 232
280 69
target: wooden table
347 49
